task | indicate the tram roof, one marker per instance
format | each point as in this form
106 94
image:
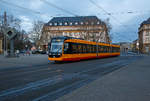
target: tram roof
80 40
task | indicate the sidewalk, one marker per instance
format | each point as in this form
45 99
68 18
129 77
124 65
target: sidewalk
130 83
23 61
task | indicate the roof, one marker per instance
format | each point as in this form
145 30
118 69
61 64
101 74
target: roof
72 21
65 37
146 22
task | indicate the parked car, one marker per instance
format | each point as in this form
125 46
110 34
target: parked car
132 53
43 52
35 52
38 52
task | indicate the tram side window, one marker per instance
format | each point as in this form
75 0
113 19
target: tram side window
87 51
118 49
112 49
99 48
108 49
84 48
88 48
115 49
104 49
94 48
91 48
79 48
69 48
74 48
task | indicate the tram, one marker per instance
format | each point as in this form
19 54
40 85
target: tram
75 49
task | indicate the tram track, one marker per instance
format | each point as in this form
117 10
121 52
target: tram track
66 80
50 66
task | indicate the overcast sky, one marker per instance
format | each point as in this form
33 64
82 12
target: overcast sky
125 18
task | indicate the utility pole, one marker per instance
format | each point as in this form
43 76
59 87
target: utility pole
5 37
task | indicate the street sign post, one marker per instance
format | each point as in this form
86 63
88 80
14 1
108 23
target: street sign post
11 34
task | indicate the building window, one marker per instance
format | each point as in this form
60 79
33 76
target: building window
64 34
76 23
55 24
65 23
60 24
70 23
50 24
81 23
147 33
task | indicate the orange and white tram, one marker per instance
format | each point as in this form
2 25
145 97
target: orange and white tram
74 49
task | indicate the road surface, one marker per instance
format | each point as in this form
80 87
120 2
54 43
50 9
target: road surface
50 81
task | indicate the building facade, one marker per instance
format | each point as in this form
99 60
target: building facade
125 47
86 27
144 37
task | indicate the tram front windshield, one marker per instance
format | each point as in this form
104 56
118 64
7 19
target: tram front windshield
56 47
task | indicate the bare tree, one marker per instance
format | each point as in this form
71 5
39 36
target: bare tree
36 32
108 27
12 22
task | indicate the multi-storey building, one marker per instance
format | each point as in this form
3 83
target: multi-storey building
87 27
144 37
125 47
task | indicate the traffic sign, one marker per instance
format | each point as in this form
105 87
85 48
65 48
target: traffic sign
10 33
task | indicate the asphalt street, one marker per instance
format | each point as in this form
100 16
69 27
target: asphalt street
50 80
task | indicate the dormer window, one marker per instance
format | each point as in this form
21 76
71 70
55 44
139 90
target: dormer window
65 23
70 23
60 24
55 24
50 24
76 23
